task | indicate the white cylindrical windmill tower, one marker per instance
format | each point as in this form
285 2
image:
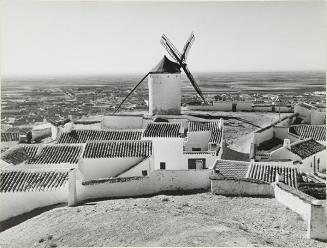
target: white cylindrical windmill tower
164 83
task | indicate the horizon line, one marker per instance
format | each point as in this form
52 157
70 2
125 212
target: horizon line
141 73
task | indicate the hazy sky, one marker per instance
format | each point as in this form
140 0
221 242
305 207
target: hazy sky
39 38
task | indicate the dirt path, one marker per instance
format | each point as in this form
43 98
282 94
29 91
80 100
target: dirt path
190 220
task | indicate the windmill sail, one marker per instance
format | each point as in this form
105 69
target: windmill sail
180 59
187 47
192 80
130 92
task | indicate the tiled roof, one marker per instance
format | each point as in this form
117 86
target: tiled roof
19 154
82 136
306 148
23 130
216 133
230 168
270 144
162 129
317 132
9 136
118 149
56 154
267 172
30 180
195 126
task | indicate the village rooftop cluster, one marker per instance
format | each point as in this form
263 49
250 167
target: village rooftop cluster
73 160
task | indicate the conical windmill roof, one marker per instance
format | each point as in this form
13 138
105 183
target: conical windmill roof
166 66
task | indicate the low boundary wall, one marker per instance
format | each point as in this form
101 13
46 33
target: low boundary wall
240 187
158 181
311 209
17 203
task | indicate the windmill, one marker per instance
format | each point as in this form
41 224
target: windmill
181 59
166 99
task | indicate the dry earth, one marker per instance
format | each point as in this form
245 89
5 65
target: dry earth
189 220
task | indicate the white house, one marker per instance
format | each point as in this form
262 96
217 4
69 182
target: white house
204 136
310 114
103 159
308 154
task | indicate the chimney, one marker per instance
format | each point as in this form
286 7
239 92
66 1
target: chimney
287 143
68 127
279 178
253 150
221 123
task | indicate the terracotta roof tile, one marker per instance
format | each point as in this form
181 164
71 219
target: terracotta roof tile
306 148
213 126
118 149
162 130
317 132
230 168
31 180
267 172
20 154
82 136
56 154
9 136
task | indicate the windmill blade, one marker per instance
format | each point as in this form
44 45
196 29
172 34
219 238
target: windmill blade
171 53
192 80
171 49
130 93
187 47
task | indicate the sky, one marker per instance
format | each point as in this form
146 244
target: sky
80 38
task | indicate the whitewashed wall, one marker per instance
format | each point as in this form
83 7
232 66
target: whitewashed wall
262 108
259 137
105 167
304 113
223 106
317 117
164 93
282 133
313 211
170 151
292 201
244 106
93 126
137 170
283 153
239 187
158 181
308 163
197 140
122 122
16 203
210 159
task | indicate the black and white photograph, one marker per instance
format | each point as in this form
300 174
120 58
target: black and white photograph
163 123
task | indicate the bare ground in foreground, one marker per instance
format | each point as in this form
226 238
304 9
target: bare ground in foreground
181 220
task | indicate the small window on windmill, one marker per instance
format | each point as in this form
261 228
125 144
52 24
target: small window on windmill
144 173
162 165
